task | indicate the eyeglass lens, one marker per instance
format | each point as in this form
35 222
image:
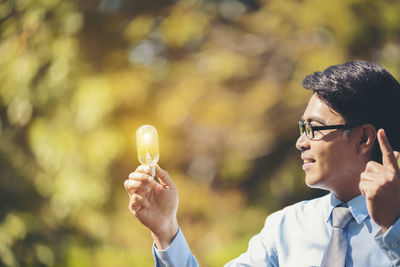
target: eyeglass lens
306 128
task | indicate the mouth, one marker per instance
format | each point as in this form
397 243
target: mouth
307 163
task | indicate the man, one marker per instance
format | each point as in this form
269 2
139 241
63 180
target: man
346 137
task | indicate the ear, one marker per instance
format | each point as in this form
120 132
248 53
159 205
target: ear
366 138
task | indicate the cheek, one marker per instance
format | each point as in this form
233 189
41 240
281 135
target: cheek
330 159
339 158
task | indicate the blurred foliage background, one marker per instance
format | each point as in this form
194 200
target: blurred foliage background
220 80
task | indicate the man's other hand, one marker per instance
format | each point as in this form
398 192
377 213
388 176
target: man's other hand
380 184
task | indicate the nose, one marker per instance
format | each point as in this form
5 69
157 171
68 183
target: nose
302 142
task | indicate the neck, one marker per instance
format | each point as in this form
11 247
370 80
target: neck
346 196
348 188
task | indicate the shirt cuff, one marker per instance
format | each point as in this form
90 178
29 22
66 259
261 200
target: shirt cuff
390 241
176 254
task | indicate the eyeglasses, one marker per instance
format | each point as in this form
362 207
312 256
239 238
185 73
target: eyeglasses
309 129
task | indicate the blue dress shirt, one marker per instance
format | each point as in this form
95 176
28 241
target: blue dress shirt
298 235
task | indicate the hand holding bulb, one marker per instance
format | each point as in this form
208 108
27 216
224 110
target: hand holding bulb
154 203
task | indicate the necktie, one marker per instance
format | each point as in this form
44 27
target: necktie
335 253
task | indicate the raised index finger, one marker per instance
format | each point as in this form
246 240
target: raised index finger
388 157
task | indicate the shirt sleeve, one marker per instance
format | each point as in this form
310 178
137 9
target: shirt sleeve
389 242
178 254
262 249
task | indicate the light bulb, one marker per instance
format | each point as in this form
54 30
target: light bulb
147 146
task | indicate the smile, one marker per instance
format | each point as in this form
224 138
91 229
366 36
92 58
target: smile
308 163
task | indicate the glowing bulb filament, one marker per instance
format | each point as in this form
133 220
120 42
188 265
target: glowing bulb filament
147 146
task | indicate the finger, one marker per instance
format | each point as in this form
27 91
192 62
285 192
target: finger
365 177
367 188
378 178
133 186
143 169
372 166
164 177
376 170
368 177
137 203
388 157
363 186
396 155
138 176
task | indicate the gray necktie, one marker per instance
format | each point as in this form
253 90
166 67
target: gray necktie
335 253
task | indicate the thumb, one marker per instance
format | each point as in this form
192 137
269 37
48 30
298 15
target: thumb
164 177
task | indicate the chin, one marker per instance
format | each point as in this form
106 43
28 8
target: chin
314 181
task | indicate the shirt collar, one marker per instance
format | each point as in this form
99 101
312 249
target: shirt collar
357 206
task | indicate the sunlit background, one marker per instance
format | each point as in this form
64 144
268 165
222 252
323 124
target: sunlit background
221 82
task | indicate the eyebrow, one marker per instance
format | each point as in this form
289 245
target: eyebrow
313 118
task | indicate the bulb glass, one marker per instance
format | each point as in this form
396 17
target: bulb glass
147 145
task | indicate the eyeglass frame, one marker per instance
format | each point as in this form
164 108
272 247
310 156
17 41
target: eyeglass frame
303 125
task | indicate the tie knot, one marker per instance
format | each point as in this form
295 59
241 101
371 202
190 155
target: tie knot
341 216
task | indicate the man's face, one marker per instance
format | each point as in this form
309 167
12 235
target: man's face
330 160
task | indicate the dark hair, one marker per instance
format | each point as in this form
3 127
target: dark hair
361 92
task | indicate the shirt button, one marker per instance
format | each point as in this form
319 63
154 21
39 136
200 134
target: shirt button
395 245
